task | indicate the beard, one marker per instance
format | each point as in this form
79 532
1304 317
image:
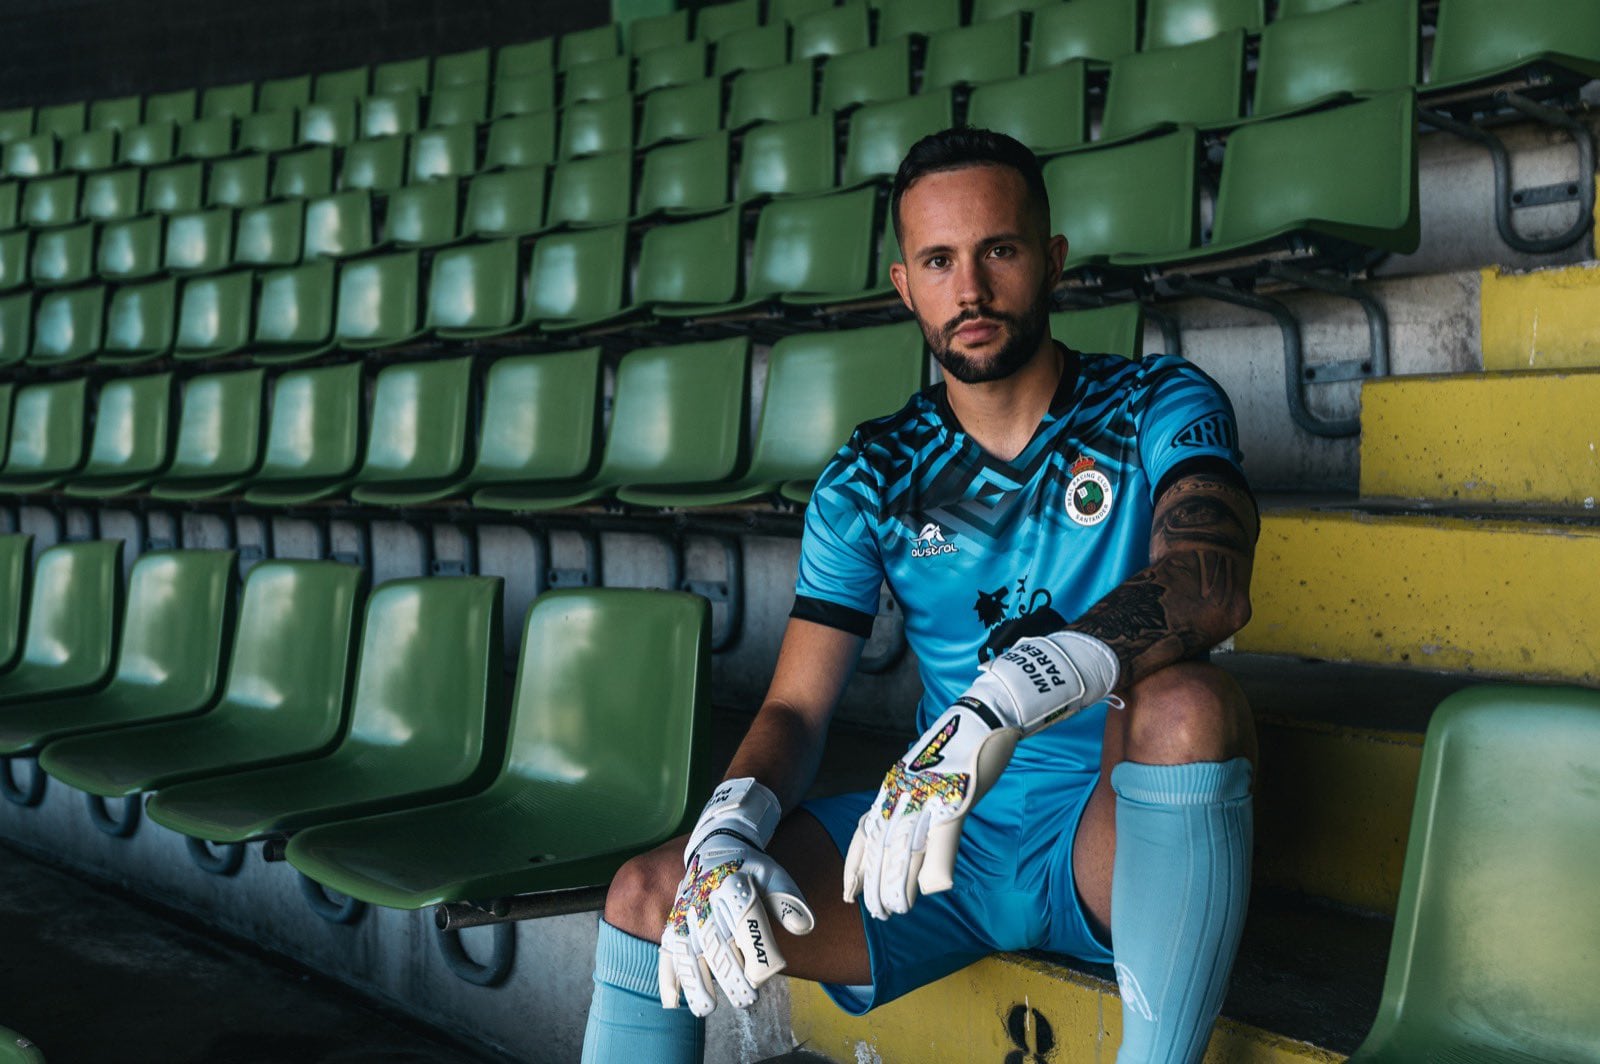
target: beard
1023 334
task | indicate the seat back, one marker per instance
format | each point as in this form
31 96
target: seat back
788 158
309 172
112 195
596 190
267 131
1044 110
817 245
597 126
1200 83
1480 38
148 145
579 46
75 610
882 133
533 94
753 48
636 735
178 624
16 327
576 276
169 189
528 57
1106 201
240 181
679 414
62 119
51 201
402 76
772 94
474 287
692 262
899 18
716 21
1357 48
692 176
334 122
971 55
1494 954
1116 330
231 101
445 151
270 234
119 113
675 64
132 417
339 225
47 430
63 256
174 107
69 325
391 114
418 429
206 138
378 300
681 112
598 80
15 548
872 75
284 94
219 427
130 249
15 123
541 414
316 426
294 308
214 315
521 140
1168 23
352 82
657 32
832 31
94 149
199 241
461 68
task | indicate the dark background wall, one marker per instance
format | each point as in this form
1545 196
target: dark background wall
53 51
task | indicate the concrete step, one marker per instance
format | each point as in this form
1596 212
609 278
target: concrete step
1483 438
1541 319
1499 595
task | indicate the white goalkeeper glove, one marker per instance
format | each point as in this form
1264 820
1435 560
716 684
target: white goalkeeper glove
905 844
718 927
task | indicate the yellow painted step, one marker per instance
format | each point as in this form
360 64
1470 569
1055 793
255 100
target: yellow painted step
1484 437
1490 597
1542 319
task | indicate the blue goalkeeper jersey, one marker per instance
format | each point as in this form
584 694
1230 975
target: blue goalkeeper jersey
980 552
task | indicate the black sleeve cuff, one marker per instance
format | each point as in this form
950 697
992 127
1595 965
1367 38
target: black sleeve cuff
821 611
1209 465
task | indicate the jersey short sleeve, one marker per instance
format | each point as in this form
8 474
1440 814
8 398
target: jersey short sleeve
840 567
1182 415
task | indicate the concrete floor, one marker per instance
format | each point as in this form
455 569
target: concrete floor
96 976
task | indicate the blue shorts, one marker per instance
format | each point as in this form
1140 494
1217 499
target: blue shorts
1013 882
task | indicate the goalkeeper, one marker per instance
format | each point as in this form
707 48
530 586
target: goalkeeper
1068 534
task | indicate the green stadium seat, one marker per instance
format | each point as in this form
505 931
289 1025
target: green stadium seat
716 21
598 126
130 249
93 149
529 57
882 133
1046 110
577 277
33 156
16 329
206 138
238 182
68 325
417 436
284 698
378 165
833 31
173 108
1106 201
692 263
392 115
681 113
474 290
753 48
338 225
677 64
686 178
14 258
788 158
214 315
334 122
74 614
199 241
1115 330
900 18
568 711
1296 8
525 95
140 321
1359 48
62 256
678 417
521 140
984 10
15 549
422 215
47 430
599 80
1477 41
15 124
294 312
872 75
1199 84
175 631
776 94
228 101
657 32
314 437
1096 30
123 112
51 201
426 723
129 446
284 94
580 46
267 131
218 448
270 234
402 76
793 11
444 151
591 191
1494 889
459 104
170 189
378 302
505 203
10 200
62 120
820 385
309 172
1169 23
111 195
460 68
351 83
972 55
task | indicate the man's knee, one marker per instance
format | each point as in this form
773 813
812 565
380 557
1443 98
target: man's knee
1191 711
641 892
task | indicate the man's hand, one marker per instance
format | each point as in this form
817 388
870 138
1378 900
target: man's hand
906 842
718 926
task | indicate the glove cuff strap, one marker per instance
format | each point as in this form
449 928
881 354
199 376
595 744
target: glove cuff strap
743 807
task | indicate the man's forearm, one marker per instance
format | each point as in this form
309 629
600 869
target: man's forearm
782 750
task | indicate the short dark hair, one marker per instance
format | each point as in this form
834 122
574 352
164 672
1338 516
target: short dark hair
963 146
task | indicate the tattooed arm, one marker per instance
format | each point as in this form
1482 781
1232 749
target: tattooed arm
1195 592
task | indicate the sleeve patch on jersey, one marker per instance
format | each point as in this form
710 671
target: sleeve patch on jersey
1213 430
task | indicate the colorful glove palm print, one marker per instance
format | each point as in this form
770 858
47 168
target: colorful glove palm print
920 784
698 895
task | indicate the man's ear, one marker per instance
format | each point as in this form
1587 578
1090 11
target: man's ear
897 275
1056 255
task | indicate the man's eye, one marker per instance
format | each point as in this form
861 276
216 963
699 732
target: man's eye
1002 251
938 262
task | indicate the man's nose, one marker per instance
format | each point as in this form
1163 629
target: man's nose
972 284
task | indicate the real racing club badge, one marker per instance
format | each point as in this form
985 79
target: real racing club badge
1089 493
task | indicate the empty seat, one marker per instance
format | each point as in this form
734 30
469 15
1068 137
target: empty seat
403 76
598 80
284 94
68 325
284 698
334 122
1198 84
129 447
74 617
598 126
897 18
1358 48
448 151
214 316
309 172
525 95
206 138
832 30
506 203
62 119
61 256
529 57
140 321
592 191
232 101
716 21
394 114
677 417
131 249
872 75
422 215
379 305
882 133
47 435
972 55
1095 30
339 225
426 723
521 140
475 290
687 178
776 94
168 189
171 107
270 234
112 195
33 156
576 277
314 437
682 112
459 104
148 145
10 200
1168 23
418 434
1137 197
820 385
353 82
461 68
693 263
267 131
657 32
294 312
580 46
1478 40
93 149
16 327
569 710
15 123
1114 330
218 448
788 158
378 165
677 64
199 241
238 182
1045 110
14 259
753 48
51 201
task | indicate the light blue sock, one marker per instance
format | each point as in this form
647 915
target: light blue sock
1179 887
627 1024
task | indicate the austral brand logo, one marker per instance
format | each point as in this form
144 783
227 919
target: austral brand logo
1089 493
930 542
1212 430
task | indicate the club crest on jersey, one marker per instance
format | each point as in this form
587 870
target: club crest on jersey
930 542
1088 494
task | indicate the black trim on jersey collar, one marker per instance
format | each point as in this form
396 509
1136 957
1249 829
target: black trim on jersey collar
833 615
1060 401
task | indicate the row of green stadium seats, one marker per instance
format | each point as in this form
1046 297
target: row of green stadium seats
301 704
